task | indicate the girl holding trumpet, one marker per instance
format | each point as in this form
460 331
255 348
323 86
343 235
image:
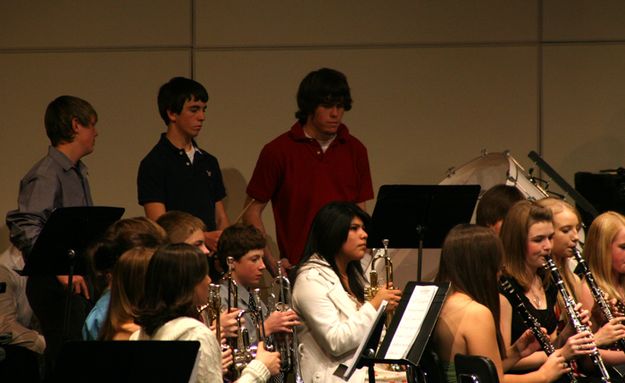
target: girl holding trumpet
176 284
328 292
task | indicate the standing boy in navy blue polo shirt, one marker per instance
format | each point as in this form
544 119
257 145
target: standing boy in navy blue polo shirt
176 174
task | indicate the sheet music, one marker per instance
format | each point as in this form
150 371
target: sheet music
411 321
351 363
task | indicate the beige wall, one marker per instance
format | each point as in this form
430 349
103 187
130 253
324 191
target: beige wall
434 82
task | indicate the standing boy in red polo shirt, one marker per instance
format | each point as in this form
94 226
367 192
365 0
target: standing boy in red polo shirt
317 161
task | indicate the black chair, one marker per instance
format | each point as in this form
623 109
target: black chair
474 369
431 370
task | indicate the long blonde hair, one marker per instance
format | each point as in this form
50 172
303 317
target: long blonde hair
558 206
598 250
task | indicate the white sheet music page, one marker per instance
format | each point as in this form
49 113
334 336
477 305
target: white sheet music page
411 322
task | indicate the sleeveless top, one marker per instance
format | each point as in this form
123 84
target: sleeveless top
547 317
449 369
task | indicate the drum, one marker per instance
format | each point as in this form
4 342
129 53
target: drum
491 169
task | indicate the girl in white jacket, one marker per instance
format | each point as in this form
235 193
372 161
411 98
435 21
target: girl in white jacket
176 284
328 292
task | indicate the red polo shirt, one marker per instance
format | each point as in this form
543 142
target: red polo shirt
299 178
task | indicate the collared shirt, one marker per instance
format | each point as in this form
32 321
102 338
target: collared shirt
166 175
97 316
298 177
53 182
243 303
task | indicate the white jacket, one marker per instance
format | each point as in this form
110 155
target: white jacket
208 363
333 325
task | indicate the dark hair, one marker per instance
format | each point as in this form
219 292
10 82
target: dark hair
329 232
513 234
235 241
173 273
59 116
173 94
495 203
471 258
122 236
323 86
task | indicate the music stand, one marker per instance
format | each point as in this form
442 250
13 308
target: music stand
418 216
126 361
414 349
64 239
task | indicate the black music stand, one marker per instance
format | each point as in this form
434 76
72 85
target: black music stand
368 357
126 361
63 241
418 216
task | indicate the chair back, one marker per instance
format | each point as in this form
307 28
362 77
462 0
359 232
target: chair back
429 370
474 369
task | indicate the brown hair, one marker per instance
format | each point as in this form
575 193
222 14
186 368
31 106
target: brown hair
495 203
470 260
170 281
513 234
126 290
179 225
235 241
60 114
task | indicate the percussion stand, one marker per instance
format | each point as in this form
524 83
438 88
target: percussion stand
568 189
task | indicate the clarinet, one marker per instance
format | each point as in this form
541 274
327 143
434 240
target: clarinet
532 323
597 293
569 305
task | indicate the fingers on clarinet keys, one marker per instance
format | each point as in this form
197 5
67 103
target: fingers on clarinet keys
585 348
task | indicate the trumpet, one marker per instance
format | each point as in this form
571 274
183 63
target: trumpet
242 353
374 284
212 308
233 289
232 303
285 343
569 305
245 352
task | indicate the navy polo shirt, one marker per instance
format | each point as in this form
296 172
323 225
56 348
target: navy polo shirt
166 175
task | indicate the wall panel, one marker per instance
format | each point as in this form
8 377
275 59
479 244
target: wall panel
284 23
584 20
91 24
584 112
